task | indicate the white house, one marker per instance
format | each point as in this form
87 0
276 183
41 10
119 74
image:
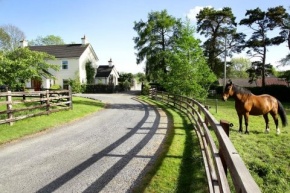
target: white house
107 74
71 58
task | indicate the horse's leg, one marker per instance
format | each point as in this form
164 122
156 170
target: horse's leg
276 120
246 117
267 122
240 122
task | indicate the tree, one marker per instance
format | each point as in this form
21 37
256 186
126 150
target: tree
21 65
126 76
4 39
256 70
153 40
10 37
279 17
125 80
188 74
140 76
261 23
91 72
47 40
285 74
219 27
285 61
238 67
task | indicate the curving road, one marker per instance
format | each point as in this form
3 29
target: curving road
105 152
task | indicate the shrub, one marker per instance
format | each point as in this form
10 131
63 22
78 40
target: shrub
55 86
76 86
145 89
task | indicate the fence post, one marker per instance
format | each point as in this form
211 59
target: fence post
174 98
47 100
216 105
9 106
180 102
41 97
226 126
192 104
205 118
70 97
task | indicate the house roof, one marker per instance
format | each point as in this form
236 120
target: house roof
244 82
62 51
104 71
273 81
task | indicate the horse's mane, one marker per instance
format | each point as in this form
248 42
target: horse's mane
240 90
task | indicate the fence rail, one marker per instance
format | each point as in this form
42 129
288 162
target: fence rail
21 105
217 160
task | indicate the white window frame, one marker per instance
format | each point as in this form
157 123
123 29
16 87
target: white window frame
64 65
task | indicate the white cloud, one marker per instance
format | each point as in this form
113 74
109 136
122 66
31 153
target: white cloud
194 11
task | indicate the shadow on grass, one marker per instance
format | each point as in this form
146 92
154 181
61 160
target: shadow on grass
236 130
192 174
191 177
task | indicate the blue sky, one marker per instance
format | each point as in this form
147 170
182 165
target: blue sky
108 24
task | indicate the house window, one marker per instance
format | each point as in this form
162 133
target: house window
64 64
65 83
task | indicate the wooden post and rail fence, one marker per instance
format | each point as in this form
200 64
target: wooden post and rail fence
15 106
218 158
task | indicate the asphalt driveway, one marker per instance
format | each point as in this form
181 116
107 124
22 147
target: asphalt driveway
108 151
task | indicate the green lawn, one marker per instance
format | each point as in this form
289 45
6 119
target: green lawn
81 108
179 167
267 156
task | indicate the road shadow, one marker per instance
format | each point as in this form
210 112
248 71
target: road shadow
106 177
121 106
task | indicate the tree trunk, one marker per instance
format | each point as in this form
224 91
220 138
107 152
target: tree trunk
263 67
288 40
163 49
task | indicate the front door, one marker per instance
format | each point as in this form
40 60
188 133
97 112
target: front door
36 84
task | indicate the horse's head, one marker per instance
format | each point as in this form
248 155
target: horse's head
228 90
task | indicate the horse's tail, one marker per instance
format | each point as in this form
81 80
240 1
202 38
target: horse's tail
282 114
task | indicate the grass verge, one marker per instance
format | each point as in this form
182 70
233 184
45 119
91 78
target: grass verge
81 108
179 168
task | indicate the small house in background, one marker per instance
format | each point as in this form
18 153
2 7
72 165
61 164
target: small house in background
244 82
273 81
71 58
107 74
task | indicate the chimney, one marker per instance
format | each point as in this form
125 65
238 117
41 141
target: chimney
84 40
110 62
23 43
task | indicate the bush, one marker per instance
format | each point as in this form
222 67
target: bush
100 88
76 86
55 86
145 89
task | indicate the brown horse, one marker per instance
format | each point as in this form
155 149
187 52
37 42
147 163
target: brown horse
247 104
